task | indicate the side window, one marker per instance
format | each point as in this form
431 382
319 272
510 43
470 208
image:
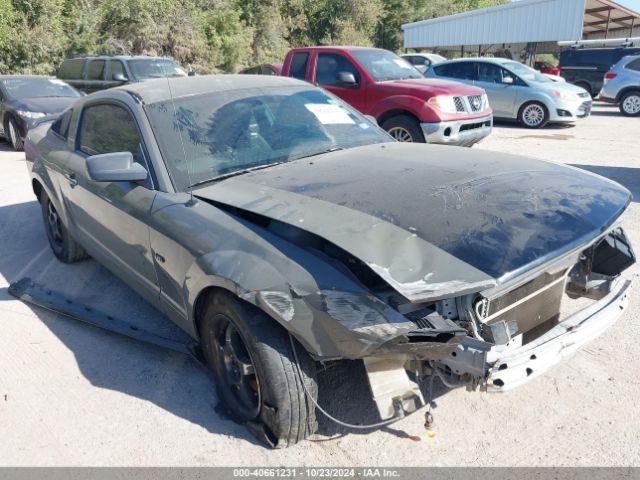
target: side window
107 128
96 70
298 67
266 70
116 68
329 65
461 70
420 61
442 70
61 125
490 73
634 65
71 69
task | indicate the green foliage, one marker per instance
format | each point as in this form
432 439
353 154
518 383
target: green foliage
208 35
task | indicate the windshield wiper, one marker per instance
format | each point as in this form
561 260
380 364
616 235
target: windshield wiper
235 173
321 152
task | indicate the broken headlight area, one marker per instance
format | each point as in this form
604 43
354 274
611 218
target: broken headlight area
599 265
518 334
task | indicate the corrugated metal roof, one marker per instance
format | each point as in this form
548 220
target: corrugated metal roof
517 22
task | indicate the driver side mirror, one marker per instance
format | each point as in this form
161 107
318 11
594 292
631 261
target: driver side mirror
192 73
120 77
347 79
508 80
115 167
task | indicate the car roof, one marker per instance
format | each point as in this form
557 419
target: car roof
629 58
497 61
336 47
119 57
2 77
161 89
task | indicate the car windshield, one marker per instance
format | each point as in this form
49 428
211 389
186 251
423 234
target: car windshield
19 88
205 137
155 68
437 58
527 73
383 65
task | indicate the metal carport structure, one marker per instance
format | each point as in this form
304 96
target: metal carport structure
533 25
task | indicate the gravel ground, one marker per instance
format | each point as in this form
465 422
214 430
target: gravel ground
74 395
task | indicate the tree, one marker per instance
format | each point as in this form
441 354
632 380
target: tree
210 35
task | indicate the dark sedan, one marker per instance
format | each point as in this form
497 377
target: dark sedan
283 230
28 99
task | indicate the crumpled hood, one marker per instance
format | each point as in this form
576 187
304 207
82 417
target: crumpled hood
433 221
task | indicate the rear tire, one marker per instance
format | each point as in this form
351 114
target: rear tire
256 374
64 247
14 137
404 129
630 104
533 115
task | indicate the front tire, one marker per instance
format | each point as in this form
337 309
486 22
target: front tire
630 104
256 374
404 129
533 115
64 247
14 136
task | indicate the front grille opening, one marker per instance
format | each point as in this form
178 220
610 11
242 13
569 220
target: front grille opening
473 126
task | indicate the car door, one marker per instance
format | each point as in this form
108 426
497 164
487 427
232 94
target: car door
95 76
327 69
495 81
115 70
110 218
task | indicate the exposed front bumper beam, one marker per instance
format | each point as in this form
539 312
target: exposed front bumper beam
458 132
520 365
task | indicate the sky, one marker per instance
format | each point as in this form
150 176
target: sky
632 4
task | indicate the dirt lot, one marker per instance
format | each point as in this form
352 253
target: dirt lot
74 395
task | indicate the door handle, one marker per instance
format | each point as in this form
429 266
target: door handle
71 178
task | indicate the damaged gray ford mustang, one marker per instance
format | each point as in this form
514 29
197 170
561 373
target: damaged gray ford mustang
282 229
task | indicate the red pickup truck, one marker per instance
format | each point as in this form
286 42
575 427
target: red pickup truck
383 85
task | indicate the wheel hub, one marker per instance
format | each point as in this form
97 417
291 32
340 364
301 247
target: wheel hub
53 223
533 115
238 367
631 104
12 133
401 134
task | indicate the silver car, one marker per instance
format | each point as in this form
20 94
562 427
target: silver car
622 86
518 92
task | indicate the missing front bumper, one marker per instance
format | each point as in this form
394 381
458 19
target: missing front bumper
518 366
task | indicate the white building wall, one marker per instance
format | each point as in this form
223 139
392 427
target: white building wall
517 22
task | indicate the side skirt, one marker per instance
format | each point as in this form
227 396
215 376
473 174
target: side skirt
30 292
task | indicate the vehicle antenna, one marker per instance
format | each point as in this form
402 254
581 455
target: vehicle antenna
192 201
